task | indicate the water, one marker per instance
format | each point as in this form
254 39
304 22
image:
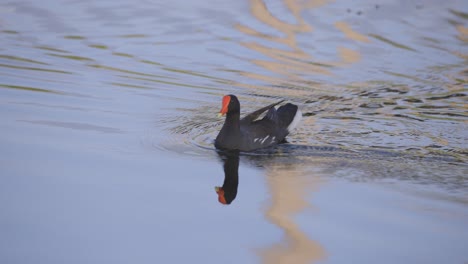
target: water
109 110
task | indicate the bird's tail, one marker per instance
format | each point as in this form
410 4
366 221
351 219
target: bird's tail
289 116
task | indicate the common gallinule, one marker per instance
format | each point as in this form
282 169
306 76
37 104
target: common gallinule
249 134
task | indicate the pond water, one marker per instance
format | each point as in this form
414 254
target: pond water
108 113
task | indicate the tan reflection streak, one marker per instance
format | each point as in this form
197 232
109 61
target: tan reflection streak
348 56
291 67
461 55
316 3
463 36
276 53
289 189
463 31
294 63
288 61
350 33
260 11
249 31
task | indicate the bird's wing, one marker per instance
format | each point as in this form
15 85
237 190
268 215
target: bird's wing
254 115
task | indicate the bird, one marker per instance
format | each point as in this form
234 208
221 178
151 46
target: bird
251 133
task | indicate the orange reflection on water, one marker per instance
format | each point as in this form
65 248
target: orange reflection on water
289 189
350 33
463 33
463 36
292 61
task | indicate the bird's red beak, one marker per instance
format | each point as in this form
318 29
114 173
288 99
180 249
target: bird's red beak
220 192
225 105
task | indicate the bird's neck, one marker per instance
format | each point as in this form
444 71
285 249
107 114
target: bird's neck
232 123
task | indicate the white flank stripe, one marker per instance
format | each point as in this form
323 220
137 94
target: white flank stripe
264 139
256 139
297 118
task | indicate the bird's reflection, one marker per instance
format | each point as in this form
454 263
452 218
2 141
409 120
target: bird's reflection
228 192
290 185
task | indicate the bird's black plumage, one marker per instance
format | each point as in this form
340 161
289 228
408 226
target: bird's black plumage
248 133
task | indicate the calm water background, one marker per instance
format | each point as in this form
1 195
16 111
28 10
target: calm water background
108 114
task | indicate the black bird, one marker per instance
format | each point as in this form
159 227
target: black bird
249 134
